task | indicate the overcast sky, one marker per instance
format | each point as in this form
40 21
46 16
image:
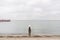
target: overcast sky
30 9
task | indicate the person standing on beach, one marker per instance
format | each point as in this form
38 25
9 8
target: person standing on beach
29 31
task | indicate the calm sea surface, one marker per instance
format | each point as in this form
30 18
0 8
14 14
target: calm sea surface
37 26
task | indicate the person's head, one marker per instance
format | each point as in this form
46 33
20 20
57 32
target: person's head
29 25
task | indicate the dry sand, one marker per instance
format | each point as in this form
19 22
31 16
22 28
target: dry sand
32 38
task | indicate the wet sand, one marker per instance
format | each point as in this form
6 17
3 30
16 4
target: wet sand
15 37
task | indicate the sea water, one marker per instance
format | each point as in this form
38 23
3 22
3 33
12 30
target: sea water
37 27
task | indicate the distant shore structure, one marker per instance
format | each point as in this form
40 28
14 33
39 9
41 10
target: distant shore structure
3 20
29 31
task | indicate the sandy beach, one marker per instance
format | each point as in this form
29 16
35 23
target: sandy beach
31 38
16 37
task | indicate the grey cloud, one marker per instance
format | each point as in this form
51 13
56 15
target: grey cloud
30 9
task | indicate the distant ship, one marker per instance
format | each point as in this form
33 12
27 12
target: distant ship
5 20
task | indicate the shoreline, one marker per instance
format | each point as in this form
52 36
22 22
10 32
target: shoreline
26 36
35 37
